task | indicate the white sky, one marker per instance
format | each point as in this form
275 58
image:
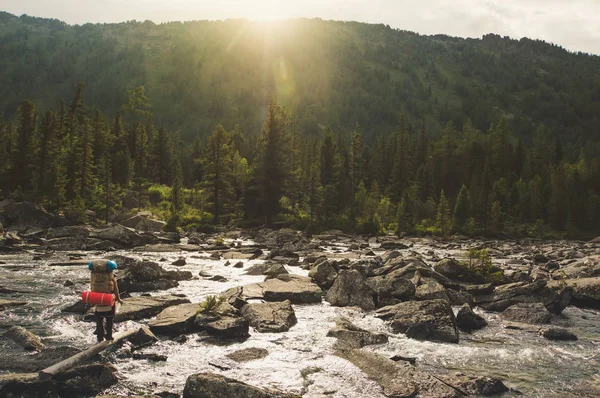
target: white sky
573 24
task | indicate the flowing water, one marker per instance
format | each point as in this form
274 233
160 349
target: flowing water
300 360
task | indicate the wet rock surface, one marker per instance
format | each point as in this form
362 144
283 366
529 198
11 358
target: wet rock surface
351 289
468 321
210 385
350 336
422 320
176 320
270 317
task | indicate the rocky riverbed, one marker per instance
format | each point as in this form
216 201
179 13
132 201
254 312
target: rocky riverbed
328 315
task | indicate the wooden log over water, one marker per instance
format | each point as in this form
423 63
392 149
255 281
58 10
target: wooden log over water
84 355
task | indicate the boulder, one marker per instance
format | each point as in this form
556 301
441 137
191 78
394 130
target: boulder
146 276
143 223
558 334
390 290
270 317
176 320
285 255
248 354
210 385
142 338
268 268
143 307
585 291
323 274
527 313
23 215
351 336
227 327
422 320
460 297
468 321
450 268
179 262
24 338
123 236
430 289
521 292
393 246
367 266
474 385
298 289
398 379
350 289
87 380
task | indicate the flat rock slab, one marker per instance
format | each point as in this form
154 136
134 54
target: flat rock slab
527 313
4 304
351 336
176 320
398 379
142 307
474 385
295 288
210 385
38 361
422 320
248 354
270 317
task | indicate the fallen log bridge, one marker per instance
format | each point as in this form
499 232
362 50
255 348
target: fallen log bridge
83 356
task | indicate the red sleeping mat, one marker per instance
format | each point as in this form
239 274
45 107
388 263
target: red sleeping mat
97 298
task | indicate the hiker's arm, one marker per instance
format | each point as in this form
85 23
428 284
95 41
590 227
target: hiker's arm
117 291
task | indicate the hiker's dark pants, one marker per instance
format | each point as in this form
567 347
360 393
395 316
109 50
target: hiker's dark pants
103 331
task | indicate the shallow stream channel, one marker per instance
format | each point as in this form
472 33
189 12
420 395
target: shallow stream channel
301 360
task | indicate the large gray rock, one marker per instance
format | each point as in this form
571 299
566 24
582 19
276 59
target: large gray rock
450 267
351 336
24 338
323 274
143 223
350 289
298 289
123 236
23 215
227 327
142 307
176 320
87 380
210 385
468 321
390 290
560 334
268 268
79 231
422 320
430 289
474 385
586 291
37 361
147 276
521 292
270 317
248 354
527 313
398 379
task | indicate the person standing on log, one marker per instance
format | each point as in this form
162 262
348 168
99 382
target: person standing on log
103 280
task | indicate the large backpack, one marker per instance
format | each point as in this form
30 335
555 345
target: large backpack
102 278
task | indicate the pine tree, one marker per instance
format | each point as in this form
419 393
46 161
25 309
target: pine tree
162 155
272 171
443 220
314 193
23 151
403 216
177 189
47 136
462 209
219 172
401 163
73 122
356 165
85 174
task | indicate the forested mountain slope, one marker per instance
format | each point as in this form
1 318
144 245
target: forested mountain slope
198 74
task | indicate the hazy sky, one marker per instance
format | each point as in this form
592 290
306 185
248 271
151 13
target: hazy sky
573 24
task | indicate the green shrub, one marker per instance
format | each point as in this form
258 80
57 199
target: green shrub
210 304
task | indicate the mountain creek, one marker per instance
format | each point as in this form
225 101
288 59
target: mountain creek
304 360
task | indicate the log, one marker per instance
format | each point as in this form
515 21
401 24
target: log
83 356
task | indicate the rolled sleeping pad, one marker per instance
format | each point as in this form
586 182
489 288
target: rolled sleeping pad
97 298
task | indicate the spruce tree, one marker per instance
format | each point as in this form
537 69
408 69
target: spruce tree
23 151
218 171
272 171
443 220
462 209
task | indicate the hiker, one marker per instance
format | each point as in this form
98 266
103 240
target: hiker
104 280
